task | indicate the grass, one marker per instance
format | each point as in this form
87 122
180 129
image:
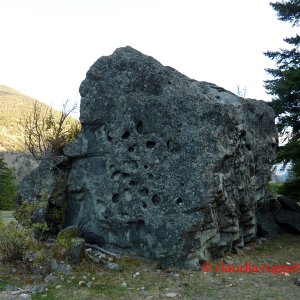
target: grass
6 216
145 281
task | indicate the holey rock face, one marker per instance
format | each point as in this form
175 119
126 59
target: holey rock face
166 167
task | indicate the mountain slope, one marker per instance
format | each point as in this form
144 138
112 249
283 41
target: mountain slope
13 106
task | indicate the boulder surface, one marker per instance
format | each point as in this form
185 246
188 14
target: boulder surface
288 215
165 167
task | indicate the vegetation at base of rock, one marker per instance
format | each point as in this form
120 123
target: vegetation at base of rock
274 188
7 187
13 242
285 88
139 279
64 237
63 243
57 214
45 133
25 212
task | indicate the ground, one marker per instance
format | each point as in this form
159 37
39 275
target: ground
137 279
6 216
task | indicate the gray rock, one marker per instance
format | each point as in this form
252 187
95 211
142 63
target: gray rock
192 264
164 167
69 232
266 226
272 221
288 203
228 261
171 295
113 266
37 289
77 251
297 281
61 267
288 220
39 215
24 297
11 288
51 279
93 238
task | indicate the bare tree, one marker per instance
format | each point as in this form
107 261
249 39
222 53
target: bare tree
241 92
45 132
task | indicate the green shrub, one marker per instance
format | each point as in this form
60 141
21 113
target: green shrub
32 215
63 243
291 188
274 188
13 242
24 213
7 187
46 131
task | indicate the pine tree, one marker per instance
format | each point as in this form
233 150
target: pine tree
285 88
7 187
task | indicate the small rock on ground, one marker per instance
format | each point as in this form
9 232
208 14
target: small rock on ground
7 296
113 266
171 295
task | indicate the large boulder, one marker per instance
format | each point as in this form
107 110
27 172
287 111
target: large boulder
266 226
288 215
288 220
287 203
166 167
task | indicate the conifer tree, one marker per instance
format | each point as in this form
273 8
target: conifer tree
7 187
285 88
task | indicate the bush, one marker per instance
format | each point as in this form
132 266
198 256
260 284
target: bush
32 215
62 248
274 188
7 187
46 132
291 188
13 242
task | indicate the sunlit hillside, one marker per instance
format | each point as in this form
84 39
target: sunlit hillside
13 106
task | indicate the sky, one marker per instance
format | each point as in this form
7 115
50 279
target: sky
47 46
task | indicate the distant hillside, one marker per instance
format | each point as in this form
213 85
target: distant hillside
13 106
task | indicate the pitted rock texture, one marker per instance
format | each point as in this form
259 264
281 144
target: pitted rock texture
166 167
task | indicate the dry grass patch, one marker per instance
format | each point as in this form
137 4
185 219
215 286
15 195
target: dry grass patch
138 279
6 216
